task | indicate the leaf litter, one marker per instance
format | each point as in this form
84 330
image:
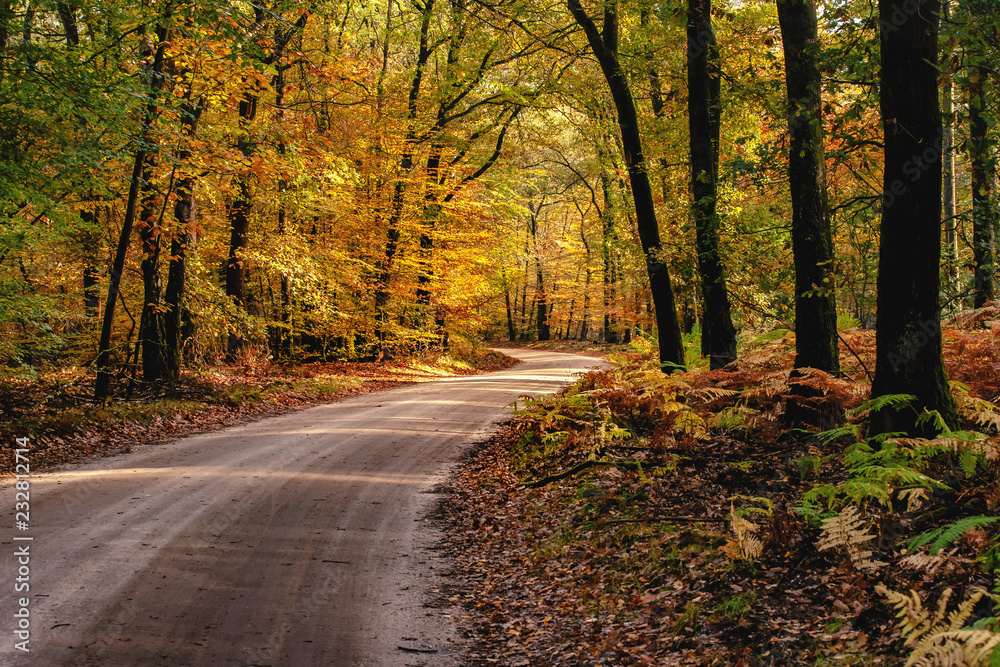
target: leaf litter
639 519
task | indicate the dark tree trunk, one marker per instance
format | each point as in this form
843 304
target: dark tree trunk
242 204
604 43
6 18
610 276
541 302
183 238
511 331
982 167
91 272
151 324
384 275
67 17
812 243
154 72
949 178
908 357
239 220
718 341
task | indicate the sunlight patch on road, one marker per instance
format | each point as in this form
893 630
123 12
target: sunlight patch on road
179 472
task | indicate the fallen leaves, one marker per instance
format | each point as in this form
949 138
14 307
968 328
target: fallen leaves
604 564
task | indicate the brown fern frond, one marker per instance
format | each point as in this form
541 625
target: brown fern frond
925 562
955 648
849 530
745 544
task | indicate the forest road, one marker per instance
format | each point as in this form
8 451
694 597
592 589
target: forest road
298 540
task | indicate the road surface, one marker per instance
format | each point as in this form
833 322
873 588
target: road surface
298 540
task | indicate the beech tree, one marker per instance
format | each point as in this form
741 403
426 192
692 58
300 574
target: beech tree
718 337
604 45
908 336
812 242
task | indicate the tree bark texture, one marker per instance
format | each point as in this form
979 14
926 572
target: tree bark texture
718 341
102 382
816 344
982 168
908 357
604 44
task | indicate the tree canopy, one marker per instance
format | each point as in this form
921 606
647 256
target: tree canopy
188 182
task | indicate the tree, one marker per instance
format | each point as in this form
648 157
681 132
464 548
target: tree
243 196
718 340
982 165
604 44
908 356
812 243
155 55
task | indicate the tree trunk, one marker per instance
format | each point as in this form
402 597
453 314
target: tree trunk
384 275
239 220
982 167
242 204
183 238
604 44
948 182
816 343
541 302
511 331
151 324
610 276
155 69
718 333
908 357
91 274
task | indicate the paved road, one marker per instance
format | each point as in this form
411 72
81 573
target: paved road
298 540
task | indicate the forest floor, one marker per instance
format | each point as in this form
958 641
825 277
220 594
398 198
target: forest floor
701 519
57 412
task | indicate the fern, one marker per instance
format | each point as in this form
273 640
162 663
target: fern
937 640
879 403
980 412
849 530
925 562
942 537
745 544
852 430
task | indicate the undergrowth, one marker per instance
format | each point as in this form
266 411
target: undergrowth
740 517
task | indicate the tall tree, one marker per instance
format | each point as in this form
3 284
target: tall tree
243 196
604 44
155 55
812 243
718 340
982 169
908 356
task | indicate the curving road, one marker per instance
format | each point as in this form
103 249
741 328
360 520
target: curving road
298 540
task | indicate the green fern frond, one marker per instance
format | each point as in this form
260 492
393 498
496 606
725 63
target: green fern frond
933 420
895 401
939 538
852 430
